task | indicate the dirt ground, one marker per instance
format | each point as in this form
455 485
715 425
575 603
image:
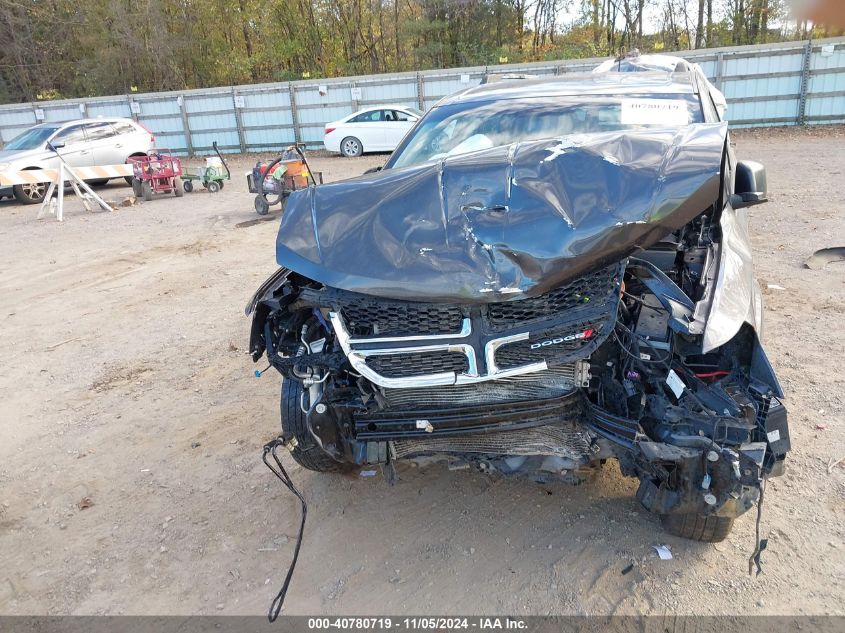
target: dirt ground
126 388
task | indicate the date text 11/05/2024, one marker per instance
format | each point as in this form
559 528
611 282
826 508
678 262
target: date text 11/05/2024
417 623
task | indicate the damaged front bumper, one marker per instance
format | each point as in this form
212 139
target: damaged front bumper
527 410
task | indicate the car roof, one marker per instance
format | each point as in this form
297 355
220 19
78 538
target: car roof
636 62
382 106
105 119
610 83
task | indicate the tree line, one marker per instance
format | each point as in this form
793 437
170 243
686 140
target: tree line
52 49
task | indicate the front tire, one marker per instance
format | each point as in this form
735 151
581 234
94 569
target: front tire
179 188
31 193
698 527
306 453
351 147
147 190
128 161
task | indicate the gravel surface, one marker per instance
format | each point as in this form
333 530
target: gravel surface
131 426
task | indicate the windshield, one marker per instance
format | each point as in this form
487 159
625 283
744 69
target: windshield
467 127
34 137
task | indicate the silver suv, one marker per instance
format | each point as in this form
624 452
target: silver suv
82 143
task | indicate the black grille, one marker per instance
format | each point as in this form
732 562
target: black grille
564 440
594 288
393 318
520 353
541 385
401 365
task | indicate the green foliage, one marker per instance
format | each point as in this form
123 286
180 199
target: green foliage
79 48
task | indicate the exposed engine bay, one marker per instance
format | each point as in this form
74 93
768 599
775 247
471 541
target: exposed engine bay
603 367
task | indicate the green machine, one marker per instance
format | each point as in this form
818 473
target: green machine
212 176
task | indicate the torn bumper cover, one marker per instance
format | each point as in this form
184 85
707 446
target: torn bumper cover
504 223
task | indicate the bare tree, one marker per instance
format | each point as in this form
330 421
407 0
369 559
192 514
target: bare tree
699 27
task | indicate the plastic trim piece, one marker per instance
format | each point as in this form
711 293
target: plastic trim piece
357 358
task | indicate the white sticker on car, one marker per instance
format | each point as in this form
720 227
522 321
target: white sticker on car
654 112
675 383
773 436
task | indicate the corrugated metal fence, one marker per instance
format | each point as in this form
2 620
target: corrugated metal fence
771 84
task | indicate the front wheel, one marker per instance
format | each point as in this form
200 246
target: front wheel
128 161
213 186
178 187
698 527
147 190
30 193
306 453
351 147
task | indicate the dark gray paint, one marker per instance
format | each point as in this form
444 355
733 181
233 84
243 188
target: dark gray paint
503 223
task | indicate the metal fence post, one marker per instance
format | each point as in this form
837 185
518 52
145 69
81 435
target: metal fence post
132 112
353 100
239 121
805 80
297 136
720 70
186 128
420 93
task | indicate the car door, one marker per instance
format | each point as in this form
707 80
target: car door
74 146
368 127
396 125
105 143
130 140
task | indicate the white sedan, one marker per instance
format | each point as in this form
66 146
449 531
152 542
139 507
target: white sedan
374 129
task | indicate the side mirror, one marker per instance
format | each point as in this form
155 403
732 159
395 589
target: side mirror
373 170
749 185
55 146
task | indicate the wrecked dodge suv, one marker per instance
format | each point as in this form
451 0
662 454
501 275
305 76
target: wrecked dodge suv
546 274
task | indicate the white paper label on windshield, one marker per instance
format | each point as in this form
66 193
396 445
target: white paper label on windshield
654 112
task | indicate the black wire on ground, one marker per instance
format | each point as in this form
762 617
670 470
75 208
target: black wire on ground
282 474
754 559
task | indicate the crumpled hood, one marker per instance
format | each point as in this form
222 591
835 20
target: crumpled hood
504 223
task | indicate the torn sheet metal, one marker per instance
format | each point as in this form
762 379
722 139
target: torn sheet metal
503 223
737 298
